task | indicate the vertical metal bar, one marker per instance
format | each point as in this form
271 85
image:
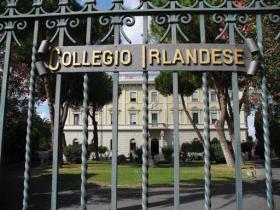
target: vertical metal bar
117 4
236 116
56 139
5 77
145 164
266 133
4 90
176 121
84 165
29 118
207 163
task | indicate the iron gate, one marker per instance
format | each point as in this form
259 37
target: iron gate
172 14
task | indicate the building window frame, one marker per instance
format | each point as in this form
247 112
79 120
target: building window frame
211 117
132 98
157 114
154 97
132 118
198 120
213 96
195 96
76 119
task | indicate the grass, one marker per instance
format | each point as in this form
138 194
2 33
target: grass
129 175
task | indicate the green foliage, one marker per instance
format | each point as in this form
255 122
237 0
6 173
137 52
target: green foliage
189 149
274 127
138 158
121 159
216 152
15 134
167 153
73 153
246 147
188 83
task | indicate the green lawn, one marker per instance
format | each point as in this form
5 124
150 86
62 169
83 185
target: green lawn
129 175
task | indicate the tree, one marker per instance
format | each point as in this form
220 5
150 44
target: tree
188 83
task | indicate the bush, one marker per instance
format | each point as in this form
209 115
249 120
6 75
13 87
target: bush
190 150
73 153
216 152
246 146
138 153
121 159
167 153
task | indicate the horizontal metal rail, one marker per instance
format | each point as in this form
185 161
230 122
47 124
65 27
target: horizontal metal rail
147 12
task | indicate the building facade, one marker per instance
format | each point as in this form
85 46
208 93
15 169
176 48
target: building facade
160 118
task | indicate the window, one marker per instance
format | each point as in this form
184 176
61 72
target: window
132 145
195 96
133 96
75 141
111 118
214 117
132 118
195 117
213 96
76 119
154 118
154 97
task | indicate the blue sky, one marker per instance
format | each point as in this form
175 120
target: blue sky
103 4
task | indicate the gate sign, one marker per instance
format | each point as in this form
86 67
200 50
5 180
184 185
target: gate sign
154 57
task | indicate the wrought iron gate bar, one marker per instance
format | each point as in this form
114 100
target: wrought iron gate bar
206 132
84 165
145 100
114 191
173 22
57 128
236 118
30 115
266 132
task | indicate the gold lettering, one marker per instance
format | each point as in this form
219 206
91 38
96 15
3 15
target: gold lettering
165 60
126 57
238 57
75 58
85 59
178 57
52 66
216 54
204 60
108 57
191 57
66 59
228 56
96 55
154 54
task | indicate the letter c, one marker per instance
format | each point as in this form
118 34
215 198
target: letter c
53 67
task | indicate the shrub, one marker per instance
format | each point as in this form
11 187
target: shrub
190 150
121 159
138 153
73 153
167 153
246 147
216 152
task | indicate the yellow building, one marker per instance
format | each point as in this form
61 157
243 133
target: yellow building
160 118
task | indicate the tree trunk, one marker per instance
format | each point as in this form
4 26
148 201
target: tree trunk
200 138
95 134
50 99
219 125
226 151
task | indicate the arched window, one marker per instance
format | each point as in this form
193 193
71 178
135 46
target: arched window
132 145
75 141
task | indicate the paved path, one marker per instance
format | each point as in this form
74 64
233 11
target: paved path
192 195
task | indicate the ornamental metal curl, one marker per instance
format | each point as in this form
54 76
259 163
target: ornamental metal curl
242 19
275 19
62 23
127 21
11 27
250 5
150 5
89 5
139 6
220 19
